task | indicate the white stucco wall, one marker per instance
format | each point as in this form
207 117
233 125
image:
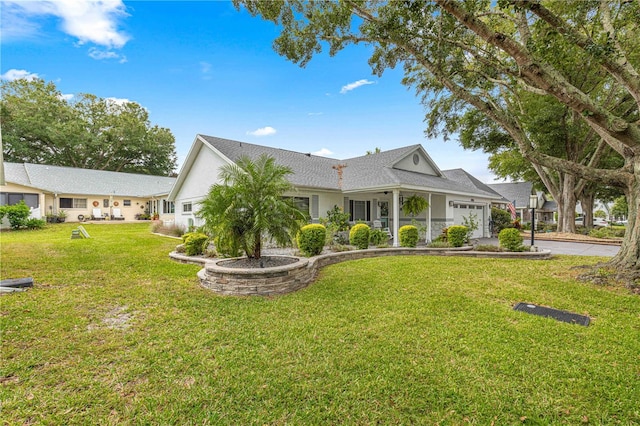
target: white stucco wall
202 174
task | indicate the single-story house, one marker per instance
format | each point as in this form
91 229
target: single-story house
48 190
370 187
518 194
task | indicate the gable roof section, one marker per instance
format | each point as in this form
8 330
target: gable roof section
464 178
74 181
518 191
374 172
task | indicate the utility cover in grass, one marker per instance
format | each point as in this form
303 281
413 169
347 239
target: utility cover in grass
559 315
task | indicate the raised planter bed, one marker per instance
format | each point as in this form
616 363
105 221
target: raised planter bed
299 274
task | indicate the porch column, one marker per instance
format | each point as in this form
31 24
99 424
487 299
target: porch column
427 237
396 216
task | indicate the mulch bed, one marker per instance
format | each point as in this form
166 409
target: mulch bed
263 262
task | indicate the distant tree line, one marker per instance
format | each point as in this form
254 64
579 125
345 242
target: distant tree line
39 125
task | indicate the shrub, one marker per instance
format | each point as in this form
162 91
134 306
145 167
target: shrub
33 223
195 243
378 237
472 224
311 239
17 215
172 229
501 219
511 240
338 218
457 235
359 236
408 236
227 247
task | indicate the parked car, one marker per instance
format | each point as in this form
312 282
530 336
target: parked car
597 221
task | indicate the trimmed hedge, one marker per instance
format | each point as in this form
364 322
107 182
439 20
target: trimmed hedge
408 236
311 239
195 243
359 236
457 235
511 240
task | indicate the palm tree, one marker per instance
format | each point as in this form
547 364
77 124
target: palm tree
249 205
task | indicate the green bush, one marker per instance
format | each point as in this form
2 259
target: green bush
378 237
408 236
33 223
17 214
501 219
195 243
359 236
227 247
510 240
311 239
457 235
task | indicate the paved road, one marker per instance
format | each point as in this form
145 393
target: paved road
561 247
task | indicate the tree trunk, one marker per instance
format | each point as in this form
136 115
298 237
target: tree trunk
628 258
586 201
567 206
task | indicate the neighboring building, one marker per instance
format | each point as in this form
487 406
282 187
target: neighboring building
50 189
370 187
518 193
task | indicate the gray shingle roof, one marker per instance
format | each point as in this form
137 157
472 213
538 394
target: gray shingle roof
360 173
518 191
69 180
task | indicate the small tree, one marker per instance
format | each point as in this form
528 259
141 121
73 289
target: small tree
472 225
501 219
249 205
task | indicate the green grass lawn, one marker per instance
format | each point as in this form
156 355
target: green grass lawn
116 333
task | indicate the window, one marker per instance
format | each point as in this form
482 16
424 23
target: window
73 203
359 210
126 203
187 207
105 202
168 206
302 203
12 198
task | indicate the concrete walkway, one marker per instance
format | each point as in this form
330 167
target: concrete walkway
562 247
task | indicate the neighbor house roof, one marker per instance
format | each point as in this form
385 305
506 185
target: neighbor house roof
368 172
74 181
516 191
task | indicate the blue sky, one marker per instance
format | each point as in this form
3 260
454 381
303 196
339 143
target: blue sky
204 67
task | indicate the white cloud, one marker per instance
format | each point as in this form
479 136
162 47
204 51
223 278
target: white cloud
98 54
14 74
263 131
323 152
351 86
315 113
66 96
89 21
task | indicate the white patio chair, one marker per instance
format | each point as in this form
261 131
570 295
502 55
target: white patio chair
97 215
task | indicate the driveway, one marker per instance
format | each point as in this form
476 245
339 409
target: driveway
562 247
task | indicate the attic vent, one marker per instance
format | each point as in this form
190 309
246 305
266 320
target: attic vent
416 159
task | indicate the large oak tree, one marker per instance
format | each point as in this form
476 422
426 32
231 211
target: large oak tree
40 126
484 56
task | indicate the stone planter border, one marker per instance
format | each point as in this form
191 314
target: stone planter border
295 276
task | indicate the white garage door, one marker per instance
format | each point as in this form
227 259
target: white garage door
460 211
